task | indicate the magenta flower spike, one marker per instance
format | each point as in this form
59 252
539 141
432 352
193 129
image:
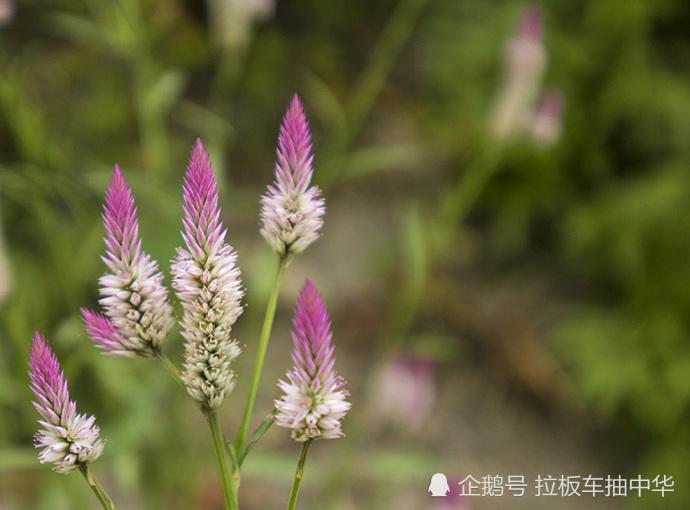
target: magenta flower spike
292 210
103 333
208 284
525 63
313 404
137 316
66 439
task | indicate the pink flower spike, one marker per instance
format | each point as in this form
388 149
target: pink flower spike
292 210
202 230
133 298
208 284
67 439
314 401
104 334
525 63
294 148
122 243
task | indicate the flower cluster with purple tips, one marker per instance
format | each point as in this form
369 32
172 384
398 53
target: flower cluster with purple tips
292 210
136 315
314 400
67 439
208 285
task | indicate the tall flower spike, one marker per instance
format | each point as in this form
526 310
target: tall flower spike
67 439
313 404
208 284
137 316
292 210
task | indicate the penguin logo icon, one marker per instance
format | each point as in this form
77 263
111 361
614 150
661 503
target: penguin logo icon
439 486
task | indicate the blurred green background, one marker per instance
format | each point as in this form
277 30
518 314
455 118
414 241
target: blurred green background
502 303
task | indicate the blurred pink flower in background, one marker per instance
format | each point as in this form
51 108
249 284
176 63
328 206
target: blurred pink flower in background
546 127
405 392
232 21
6 12
525 62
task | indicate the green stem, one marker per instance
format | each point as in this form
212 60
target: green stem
96 487
395 34
236 464
298 475
458 203
229 495
260 357
169 366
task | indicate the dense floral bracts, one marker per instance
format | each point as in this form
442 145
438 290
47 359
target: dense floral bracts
137 316
66 439
207 282
313 404
292 210
103 334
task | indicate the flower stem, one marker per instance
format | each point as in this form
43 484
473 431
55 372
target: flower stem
260 356
169 366
96 487
457 204
229 495
298 475
235 477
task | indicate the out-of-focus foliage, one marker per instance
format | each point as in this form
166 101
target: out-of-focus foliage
599 220
609 206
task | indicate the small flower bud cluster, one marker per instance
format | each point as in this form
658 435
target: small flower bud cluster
313 404
292 210
66 439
